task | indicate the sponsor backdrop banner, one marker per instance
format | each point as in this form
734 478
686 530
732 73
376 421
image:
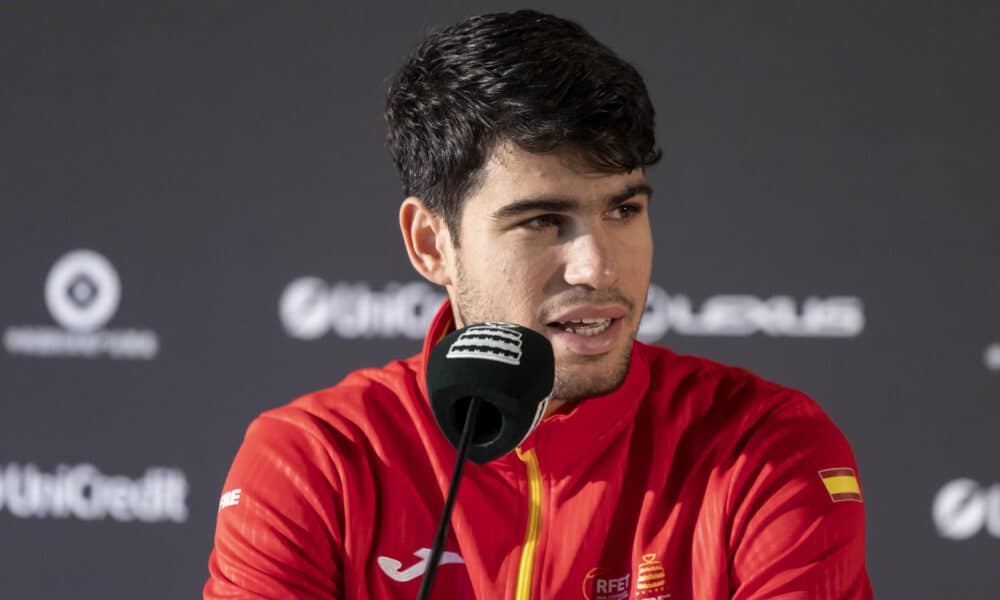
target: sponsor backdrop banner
198 222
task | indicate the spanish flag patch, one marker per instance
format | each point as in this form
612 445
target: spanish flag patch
842 484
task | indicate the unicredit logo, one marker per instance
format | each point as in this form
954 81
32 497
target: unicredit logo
963 508
310 308
83 492
82 293
744 315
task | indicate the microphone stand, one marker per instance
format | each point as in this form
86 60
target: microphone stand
456 477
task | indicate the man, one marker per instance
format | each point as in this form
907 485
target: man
522 144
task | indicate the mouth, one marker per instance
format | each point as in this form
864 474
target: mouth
587 331
584 327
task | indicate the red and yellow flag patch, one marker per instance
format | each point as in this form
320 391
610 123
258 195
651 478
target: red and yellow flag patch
842 484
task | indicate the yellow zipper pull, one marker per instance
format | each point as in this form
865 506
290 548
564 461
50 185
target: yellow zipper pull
525 570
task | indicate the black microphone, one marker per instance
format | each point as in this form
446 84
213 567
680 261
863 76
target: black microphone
489 385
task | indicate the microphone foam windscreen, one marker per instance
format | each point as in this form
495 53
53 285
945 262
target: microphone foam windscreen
509 367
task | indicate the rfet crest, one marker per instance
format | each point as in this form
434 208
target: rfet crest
604 584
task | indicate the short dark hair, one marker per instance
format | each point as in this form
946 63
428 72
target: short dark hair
525 77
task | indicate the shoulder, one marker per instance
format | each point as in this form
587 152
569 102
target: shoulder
765 435
347 424
361 397
777 469
736 407
689 379
306 479
332 435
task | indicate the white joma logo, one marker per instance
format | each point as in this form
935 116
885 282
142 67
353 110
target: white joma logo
391 566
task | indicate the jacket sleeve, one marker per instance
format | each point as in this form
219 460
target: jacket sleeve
279 530
797 513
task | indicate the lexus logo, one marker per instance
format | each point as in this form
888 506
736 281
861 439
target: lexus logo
736 315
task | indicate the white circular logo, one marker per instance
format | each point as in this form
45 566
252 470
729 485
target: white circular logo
655 316
960 509
991 356
82 291
304 308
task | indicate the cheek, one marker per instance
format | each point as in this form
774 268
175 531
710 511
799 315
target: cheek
517 276
516 263
525 279
636 251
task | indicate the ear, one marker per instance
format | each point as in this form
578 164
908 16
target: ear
427 240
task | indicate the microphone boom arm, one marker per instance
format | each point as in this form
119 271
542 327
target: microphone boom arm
456 477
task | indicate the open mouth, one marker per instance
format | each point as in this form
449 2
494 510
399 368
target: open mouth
584 327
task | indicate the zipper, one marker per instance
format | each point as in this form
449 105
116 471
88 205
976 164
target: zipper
526 568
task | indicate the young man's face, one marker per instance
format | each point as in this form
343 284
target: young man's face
548 242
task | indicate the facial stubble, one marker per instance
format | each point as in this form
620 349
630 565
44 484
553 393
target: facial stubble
573 383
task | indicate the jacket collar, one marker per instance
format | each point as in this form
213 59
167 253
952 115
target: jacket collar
571 440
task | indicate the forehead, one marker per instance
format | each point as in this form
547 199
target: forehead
511 174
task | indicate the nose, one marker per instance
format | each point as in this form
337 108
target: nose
590 261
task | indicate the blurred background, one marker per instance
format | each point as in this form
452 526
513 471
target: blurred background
198 222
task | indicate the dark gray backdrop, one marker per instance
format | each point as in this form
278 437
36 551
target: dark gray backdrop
215 153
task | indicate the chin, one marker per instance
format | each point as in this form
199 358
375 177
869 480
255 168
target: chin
579 382
574 392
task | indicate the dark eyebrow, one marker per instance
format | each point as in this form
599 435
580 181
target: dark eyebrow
563 204
630 192
539 203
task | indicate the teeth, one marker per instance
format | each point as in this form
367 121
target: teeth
587 327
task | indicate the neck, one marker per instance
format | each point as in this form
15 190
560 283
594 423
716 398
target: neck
555 407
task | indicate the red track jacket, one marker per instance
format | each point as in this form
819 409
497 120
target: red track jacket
693 480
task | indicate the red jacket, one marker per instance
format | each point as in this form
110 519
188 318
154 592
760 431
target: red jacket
692 480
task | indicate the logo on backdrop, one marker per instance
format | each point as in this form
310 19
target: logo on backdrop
963 508
991 357
83 492
744 315
82 293
310 308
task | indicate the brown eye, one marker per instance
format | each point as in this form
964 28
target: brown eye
543 221
625 212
